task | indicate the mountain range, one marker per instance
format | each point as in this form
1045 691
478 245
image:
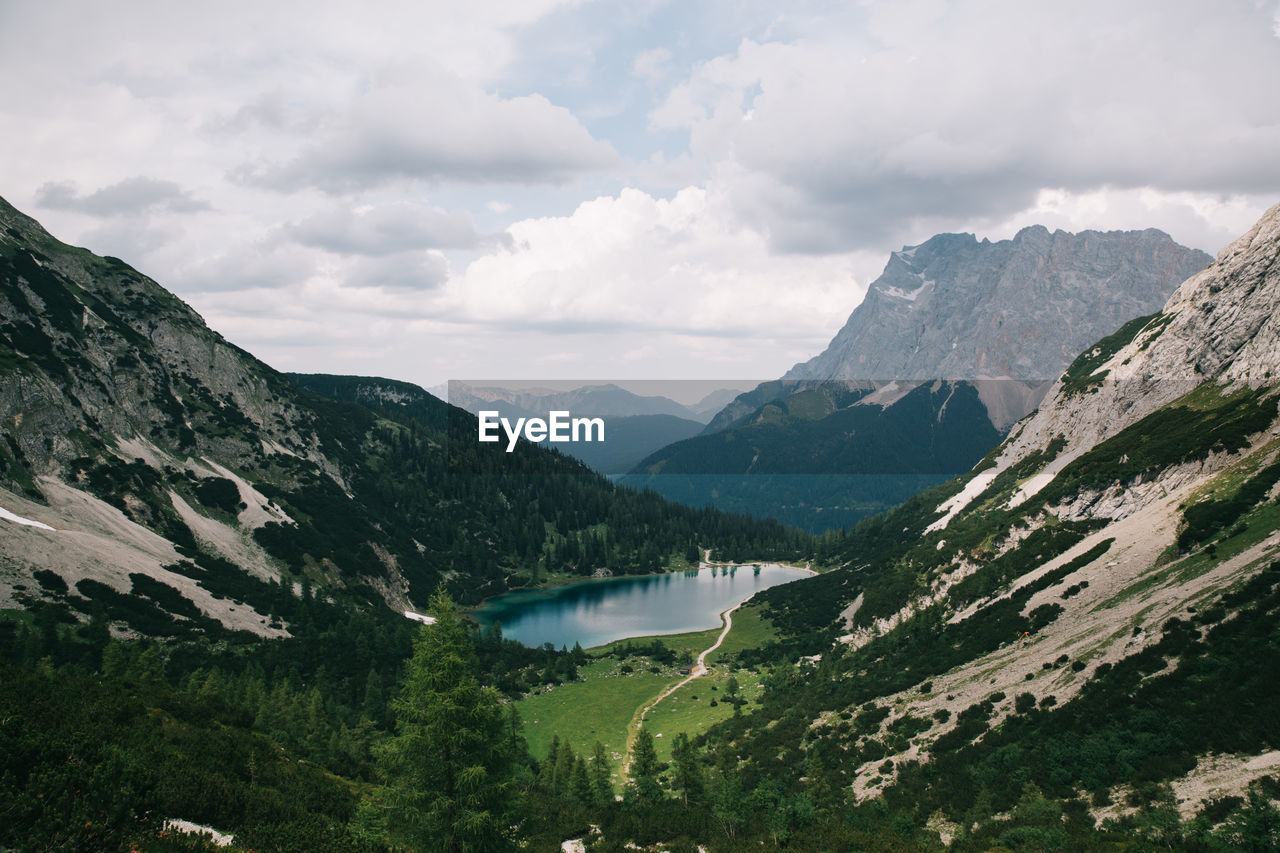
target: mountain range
993 323
635 424
155 455
1087 619
203 567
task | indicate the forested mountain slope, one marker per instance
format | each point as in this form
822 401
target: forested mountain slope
180 484
954 342
1091 611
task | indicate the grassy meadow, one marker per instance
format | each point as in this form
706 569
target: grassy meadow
604 702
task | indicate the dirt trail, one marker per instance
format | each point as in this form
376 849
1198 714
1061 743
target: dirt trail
699 669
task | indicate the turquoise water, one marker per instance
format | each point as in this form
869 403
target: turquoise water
594 612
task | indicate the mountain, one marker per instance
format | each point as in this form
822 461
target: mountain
635 425
996 321
707 408
826 455
1084 626
157 472
955 307
628 440
605 400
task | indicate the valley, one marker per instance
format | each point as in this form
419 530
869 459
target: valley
204 566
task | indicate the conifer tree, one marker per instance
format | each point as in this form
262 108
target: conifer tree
600 777
448 768
583 791
644 789
688 780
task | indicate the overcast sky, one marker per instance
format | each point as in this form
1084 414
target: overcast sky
644 189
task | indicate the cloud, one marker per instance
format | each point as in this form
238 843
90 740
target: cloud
638 262
426 124
135 195
262 265
385 229
969 110
402 271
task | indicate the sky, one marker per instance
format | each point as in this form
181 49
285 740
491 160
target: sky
567 189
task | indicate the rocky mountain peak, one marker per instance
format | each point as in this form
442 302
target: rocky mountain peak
1221 325
959 308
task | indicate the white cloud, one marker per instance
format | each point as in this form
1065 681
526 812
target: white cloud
263 264
131 196
633 261
652 65
969 111
413 271
808 145
422 123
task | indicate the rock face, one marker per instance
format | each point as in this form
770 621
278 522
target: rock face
1005 318
1220 324
94 350
957 308
1137 503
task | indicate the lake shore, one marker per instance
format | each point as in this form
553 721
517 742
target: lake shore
598 611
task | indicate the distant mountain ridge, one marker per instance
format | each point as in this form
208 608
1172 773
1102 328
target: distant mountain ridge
955 307
187 488
1090 612
1003 319
636 424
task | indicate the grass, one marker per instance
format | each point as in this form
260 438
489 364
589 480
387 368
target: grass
689 709
751 630
598 708
693 642
602 705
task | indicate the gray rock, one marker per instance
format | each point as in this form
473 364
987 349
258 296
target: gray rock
957 308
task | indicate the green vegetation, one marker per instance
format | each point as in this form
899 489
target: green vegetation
252 744
1085 372
598 708
219 493
628 674
690 711
451 764
751 630
1202 520
1204 421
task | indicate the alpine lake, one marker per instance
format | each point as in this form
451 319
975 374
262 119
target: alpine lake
598 611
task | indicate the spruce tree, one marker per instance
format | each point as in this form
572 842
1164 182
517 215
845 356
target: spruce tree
583 791
600 776
688 781
449 767
644 789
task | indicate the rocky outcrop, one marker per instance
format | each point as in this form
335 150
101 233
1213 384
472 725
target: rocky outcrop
1220 324
94 350
958 308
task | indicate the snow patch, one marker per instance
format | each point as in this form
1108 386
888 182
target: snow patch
17 519
953 505
221 839
419 617
906 295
